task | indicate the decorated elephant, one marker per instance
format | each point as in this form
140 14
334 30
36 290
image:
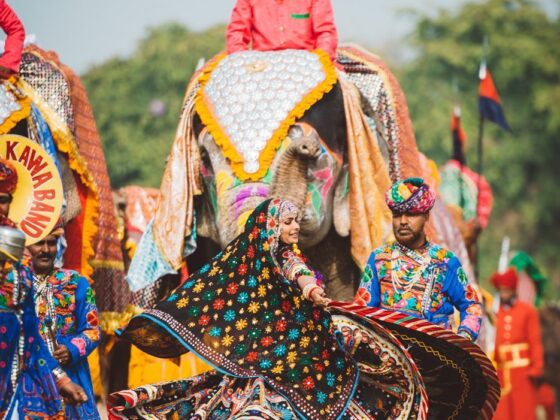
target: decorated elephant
262 124
53 110
48 104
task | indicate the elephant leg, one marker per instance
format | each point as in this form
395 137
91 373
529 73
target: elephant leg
116 361
333 259
205 249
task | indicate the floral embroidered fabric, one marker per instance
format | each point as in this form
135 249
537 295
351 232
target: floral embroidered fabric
294 264
241 314
390 385
210 395
426 283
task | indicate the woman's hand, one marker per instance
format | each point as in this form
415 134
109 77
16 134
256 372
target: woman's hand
319 297
316 294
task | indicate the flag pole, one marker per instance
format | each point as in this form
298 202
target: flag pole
481 75
479 186
457 113
480 159
460 155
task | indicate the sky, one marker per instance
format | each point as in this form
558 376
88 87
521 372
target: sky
88 32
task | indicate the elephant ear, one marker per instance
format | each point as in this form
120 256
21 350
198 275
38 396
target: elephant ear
341 208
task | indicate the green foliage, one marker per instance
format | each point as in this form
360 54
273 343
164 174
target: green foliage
121 90
522 167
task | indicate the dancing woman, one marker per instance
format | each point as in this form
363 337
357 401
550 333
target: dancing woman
250 313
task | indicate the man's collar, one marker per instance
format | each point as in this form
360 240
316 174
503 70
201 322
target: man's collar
404 248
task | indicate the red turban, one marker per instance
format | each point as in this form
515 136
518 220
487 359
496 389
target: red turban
8 177
506 279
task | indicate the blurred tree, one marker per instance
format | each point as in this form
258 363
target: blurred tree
137 100
523 168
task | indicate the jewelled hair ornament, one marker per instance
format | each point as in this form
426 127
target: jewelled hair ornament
278 210
411 196
287 209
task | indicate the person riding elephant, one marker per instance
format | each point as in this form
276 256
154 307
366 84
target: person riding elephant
13 46
278 25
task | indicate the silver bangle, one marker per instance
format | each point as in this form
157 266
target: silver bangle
58 373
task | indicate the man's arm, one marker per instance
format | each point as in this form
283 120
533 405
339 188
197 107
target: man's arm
324 28
87 334
465 298
73 393
535 344
10 23
368 293
238 33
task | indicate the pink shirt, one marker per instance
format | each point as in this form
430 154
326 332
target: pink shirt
10 23
282 24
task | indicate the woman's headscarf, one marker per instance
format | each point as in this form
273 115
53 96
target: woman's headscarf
242 316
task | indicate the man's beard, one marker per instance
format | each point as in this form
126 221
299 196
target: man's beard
409 240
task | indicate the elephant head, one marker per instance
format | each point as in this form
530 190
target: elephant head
303 171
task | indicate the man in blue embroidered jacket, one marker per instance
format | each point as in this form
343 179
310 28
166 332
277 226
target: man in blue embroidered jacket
68 318
413 275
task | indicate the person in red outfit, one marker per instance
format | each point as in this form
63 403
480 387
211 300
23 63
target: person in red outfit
13 46
519 352
269 25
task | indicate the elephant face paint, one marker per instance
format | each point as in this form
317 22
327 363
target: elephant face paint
231 200
312 188
323 177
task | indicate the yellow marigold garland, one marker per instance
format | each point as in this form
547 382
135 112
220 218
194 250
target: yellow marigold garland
204 110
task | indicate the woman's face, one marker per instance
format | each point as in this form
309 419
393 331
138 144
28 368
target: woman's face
289 230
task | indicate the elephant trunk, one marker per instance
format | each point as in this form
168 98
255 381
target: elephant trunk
290 179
